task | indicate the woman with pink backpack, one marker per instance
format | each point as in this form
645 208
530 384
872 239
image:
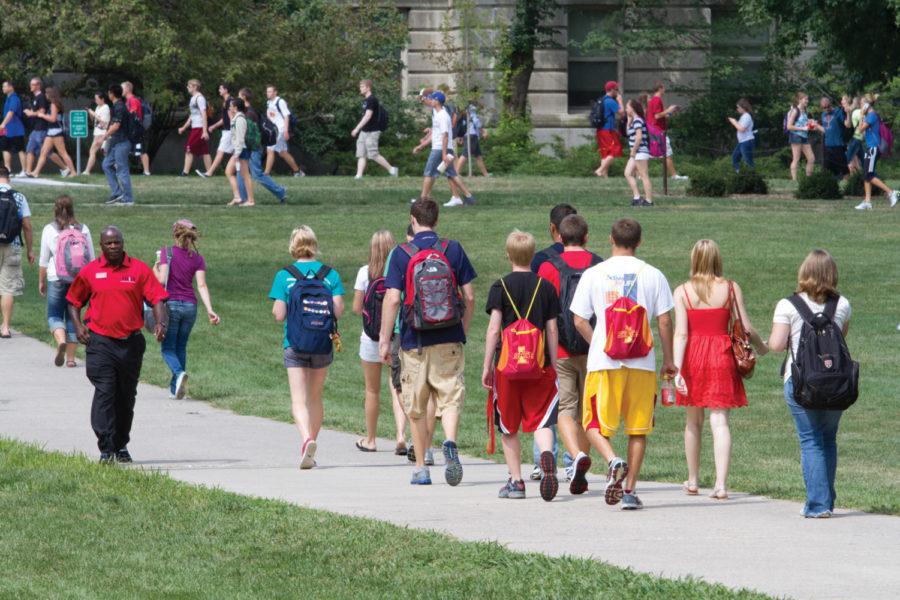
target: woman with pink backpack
66 247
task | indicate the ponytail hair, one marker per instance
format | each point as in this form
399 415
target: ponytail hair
186 235
64 212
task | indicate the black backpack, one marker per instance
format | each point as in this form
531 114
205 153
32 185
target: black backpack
823 374
10 221
462 123
569 338
381 118
596 116
268 133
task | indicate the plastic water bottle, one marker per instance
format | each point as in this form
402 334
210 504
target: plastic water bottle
667 393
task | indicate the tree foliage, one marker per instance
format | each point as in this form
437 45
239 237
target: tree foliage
527 31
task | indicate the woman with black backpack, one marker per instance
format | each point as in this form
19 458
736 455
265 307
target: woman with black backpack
368 295
816 427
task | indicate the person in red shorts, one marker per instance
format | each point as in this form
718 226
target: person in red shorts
529 403
198 121
608 142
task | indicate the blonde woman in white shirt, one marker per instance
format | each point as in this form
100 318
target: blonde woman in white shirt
101 117
817 429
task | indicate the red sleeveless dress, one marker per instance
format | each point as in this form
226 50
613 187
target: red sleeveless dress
708 369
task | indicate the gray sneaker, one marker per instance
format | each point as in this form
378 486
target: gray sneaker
631 502
514 490
536 473
421 477
618 470
429 458
453 471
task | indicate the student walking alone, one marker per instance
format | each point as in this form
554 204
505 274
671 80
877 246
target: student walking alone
743 125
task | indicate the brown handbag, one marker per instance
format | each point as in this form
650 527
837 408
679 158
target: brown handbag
744 355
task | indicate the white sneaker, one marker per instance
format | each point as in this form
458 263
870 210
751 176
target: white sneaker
894 196
394 171
64 172
357 177
201 173
680 177
864 206
454 201
146 173
181 386
20 174
413 200
299 174
536 474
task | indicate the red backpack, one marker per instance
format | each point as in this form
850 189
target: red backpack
627 327
522 347
432 299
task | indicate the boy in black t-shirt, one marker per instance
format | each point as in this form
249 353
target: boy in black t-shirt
368 131
531 403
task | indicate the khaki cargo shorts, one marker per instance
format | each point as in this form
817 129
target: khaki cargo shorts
367 144
438 370
571 373
11 281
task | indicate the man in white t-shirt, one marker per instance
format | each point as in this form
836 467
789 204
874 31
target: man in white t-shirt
441 152
622 388
198 121
277 111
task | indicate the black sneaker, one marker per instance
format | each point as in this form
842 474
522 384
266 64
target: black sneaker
469 201
411 454
123 456
636 201
453 470
115 199
184 174
107 458
646 203
549 482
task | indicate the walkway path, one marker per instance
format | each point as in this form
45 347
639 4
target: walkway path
748 541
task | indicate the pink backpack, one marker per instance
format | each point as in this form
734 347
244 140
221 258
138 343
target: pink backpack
72 253
887 138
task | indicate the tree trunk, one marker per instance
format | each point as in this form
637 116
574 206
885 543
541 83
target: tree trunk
521 66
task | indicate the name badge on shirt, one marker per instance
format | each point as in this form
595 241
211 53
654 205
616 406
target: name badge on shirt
101 275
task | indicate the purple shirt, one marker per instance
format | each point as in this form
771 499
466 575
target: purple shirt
181 273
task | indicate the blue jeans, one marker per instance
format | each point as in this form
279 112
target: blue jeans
115 165
817 431
567 459
742 150
57 309
256 171
174 346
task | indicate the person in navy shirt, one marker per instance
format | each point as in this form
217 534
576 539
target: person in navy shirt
431 362
608 142
870 125
831 125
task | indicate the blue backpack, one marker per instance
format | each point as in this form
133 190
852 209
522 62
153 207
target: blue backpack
310 312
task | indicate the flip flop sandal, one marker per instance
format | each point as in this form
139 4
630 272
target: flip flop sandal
71 364
362 448
690 490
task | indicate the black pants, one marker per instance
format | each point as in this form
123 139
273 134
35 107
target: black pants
113 367
836 160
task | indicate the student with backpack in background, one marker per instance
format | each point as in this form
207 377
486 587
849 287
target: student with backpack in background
623 293
708 377
176 268
226 144
244 138
563 270
115 164
267 135
280 116
604 116
368 131
812 325
879 140
140 112
308 297
797 126
15 225
368 300
66 246
519 368
198 122
435 277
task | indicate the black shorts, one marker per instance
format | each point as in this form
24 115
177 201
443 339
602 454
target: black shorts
836 160
12 144
870 161
473 141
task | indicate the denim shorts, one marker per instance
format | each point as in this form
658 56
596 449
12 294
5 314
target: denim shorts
245 154
793 138
57 309
35 142
303 360
434 160
855 150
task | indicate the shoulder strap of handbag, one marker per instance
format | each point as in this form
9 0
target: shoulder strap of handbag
169 256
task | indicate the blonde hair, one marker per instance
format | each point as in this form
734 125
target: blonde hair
186 236
194 82
818 276
304 243
520 247
379 247
706 266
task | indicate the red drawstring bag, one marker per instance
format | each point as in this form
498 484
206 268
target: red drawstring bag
522 348
627 327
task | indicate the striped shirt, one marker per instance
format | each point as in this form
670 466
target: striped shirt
638 124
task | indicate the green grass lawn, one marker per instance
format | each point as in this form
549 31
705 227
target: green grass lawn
75 529
238 365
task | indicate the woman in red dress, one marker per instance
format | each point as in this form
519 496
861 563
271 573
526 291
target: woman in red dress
707 376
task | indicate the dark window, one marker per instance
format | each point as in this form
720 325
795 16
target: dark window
588 70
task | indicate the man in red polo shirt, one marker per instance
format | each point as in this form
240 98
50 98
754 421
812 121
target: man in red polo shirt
658 124
116 286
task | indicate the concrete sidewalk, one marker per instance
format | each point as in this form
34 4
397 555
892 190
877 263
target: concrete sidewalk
748 541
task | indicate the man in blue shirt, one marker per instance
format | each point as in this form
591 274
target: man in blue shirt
12 129
831 125
115 165
870 125
431 361
608 142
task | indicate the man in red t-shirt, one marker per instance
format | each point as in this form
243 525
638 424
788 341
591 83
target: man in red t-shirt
116 286
658 120
571 357
133 104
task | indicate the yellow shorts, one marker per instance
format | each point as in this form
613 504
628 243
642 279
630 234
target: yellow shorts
619 394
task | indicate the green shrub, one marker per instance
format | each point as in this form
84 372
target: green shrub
510 145
708 184
854 185
821 185
747 181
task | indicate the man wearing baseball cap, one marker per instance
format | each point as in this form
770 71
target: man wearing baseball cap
608 142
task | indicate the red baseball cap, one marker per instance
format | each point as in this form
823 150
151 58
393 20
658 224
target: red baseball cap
611 85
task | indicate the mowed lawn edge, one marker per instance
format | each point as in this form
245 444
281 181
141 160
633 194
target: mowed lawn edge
237 366
109 532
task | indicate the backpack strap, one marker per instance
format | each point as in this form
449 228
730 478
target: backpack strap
323 272
831 307
633 281
533 297
511 301
556 260
410 248
802 308
444 243
294 271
